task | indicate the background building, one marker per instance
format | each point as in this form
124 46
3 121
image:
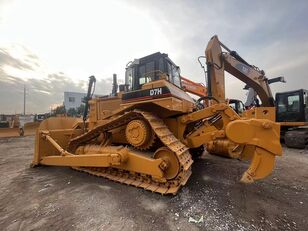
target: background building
73 99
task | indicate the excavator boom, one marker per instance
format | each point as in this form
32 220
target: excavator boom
259 122
218 62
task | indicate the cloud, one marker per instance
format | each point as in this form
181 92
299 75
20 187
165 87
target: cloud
268 34
41 93
271 36
9 60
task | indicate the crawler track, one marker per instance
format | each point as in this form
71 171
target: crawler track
147 182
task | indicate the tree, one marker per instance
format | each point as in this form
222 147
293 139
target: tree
80 109
72 112
59 110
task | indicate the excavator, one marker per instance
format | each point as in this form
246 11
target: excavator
291 108
292 114
147 134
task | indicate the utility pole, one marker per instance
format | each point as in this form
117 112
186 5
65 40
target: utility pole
24 99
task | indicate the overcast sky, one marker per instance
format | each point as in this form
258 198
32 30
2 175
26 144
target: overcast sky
53 46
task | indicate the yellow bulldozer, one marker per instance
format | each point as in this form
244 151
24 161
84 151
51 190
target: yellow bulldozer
148 133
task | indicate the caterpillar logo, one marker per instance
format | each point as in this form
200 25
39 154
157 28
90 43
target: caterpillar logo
156 91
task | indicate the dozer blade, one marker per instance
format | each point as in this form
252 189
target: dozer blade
62 130
261 138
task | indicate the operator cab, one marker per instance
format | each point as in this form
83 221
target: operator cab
292 106
237 106
151 68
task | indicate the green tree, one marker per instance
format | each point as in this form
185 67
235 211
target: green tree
72 112
80 109
59 110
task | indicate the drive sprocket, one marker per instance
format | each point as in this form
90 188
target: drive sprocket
139 134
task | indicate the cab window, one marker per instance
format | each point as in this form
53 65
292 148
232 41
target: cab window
237 106
141 73
169 71
161 65
176 76
146 73
289 103
129 78
240 108
150 71
293 103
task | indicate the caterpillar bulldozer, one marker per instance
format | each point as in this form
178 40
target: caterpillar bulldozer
148 133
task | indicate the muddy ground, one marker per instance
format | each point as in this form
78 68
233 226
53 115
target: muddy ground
56 198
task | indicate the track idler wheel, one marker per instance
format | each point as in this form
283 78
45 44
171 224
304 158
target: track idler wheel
171 166
139 134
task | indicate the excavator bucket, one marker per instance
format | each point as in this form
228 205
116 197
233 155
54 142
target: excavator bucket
260 138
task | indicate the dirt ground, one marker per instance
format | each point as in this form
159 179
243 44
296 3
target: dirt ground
59 198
